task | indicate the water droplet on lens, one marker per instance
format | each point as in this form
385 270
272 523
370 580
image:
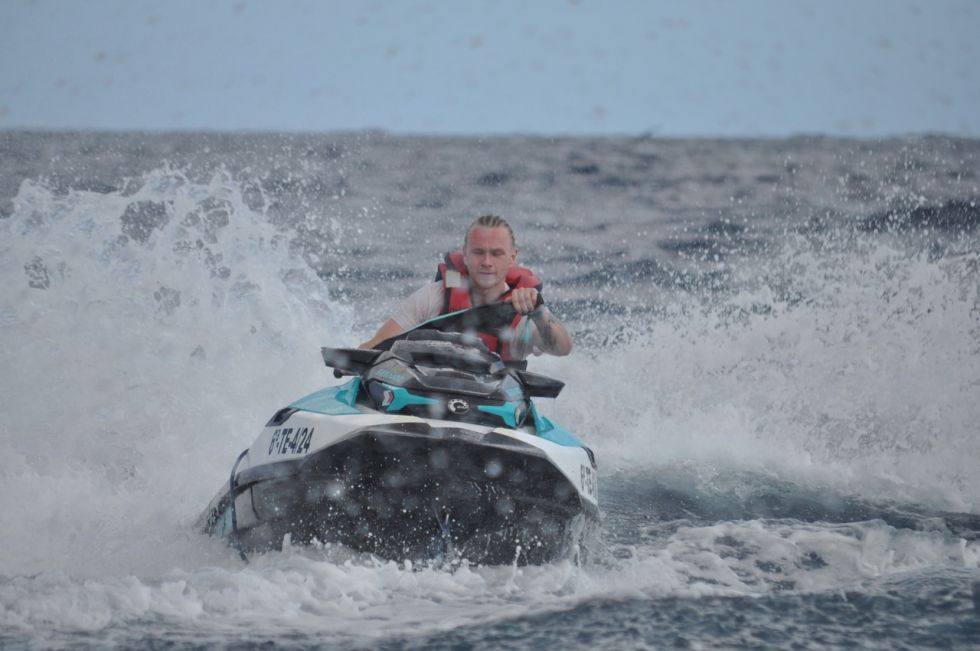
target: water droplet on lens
493 469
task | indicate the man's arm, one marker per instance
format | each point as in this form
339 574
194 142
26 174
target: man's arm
550 335
386 331
422 305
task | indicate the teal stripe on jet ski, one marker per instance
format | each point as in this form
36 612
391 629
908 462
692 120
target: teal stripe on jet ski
541 424
560 435
333 401
552 432
506 411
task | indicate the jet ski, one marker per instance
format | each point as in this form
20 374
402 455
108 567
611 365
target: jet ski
433 447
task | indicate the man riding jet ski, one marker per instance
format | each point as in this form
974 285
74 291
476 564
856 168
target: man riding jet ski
434 447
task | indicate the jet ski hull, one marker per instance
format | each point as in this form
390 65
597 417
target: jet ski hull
435 448
408 488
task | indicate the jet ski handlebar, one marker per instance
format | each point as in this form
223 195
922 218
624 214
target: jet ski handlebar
482 318
450 330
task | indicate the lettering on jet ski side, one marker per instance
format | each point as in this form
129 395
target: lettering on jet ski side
291 440
589 482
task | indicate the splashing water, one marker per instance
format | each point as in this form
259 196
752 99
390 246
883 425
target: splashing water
147 335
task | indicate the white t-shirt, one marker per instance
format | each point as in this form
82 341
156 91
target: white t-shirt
426 303
421 305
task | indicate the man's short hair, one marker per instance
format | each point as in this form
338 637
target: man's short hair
491 221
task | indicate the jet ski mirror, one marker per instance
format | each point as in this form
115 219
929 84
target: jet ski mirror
349 361
540 386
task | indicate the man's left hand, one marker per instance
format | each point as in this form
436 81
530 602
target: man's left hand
523 299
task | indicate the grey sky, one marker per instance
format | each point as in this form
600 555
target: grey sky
696 67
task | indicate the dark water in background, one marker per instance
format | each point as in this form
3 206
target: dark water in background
777 364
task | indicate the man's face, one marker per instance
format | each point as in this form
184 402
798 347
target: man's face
488 255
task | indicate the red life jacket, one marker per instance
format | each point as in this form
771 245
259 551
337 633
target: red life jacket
456 296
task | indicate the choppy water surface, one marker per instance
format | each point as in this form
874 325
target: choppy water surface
777 364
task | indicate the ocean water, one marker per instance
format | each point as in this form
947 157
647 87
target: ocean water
777 364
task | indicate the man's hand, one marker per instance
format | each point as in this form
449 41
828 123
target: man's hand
523 299
550 335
